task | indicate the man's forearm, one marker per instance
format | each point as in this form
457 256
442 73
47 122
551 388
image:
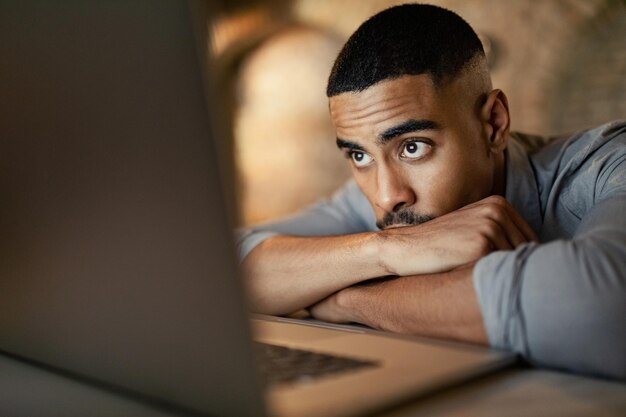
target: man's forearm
440 305
285 273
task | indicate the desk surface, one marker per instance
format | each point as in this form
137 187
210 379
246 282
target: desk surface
26 390
524 392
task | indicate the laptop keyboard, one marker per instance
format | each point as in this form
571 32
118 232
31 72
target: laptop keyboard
283 365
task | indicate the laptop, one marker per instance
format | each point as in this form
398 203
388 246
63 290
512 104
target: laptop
118 266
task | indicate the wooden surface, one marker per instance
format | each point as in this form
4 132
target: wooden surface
524 392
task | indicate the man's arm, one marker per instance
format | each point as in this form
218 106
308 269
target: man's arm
560 304
442 305
287 273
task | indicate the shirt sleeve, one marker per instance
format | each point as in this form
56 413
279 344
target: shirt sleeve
562 304
346 212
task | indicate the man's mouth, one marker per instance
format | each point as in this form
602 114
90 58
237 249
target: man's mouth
402 218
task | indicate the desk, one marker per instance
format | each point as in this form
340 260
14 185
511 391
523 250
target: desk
524 392
27 391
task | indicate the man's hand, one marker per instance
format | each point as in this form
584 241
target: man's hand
440 305
455 239
336 309
330 310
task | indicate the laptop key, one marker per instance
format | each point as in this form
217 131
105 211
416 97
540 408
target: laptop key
284 365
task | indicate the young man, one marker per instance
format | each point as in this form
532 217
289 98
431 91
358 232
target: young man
453 227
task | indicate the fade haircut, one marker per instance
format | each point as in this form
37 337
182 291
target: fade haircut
410 39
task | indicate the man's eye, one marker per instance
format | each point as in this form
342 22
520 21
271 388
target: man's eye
415 150
360 159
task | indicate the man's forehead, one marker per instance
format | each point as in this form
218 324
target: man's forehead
389 89
385 102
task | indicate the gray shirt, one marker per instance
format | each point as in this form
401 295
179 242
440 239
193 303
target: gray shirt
560 303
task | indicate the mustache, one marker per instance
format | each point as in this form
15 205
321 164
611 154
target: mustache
403 217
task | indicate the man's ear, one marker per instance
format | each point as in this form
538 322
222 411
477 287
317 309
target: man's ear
495 119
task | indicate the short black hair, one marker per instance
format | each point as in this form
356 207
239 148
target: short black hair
409 39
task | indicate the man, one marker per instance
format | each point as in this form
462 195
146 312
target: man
454 227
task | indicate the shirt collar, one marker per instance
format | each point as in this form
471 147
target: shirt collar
521 184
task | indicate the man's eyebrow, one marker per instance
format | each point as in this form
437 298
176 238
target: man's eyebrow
411 125
346 144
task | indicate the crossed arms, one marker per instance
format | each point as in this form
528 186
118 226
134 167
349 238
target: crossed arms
429 288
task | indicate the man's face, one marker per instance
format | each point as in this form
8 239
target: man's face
416 151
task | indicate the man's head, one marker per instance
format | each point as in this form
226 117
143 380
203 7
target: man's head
412 104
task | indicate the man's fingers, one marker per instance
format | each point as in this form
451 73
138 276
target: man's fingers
497 235
513 234
517 229
523 226
520 223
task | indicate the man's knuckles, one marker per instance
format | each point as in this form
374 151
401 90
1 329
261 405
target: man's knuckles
481 246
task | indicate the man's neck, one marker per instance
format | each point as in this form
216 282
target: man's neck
499 182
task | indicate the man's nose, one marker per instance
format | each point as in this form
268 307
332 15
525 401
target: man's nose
394 192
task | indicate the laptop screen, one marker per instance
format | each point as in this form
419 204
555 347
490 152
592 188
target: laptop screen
117 264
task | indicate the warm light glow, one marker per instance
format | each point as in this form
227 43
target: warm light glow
228 30
285 147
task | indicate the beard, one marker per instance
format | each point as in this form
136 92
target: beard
403 218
